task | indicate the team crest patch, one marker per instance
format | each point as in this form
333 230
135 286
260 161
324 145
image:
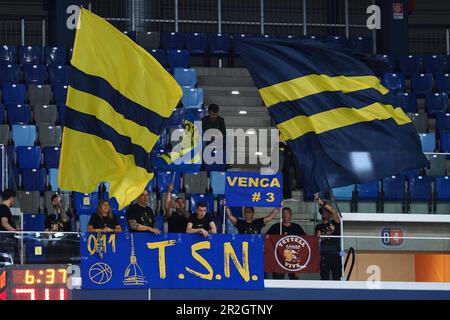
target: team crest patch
292 253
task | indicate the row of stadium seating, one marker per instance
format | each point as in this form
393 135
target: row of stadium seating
421 83
413 64
33 55
33 74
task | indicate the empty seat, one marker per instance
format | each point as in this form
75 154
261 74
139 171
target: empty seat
131 34
50 136
443 82
178 58
4 134
30 54
422 83
445 142
85 203
185 77
192 97
55 55
337 41
433 63
34 179
420 121
195 198
394 188
29 201
58 74
442 188
394 82
164 178
149 40
18 113
172 40
23 135
60 93
360 44
408 101
53 179
51 157
14 93
218 182
34 222
176 118
195 182
410 64
344 193
9 73
8 54
420 194
197 113
29 157
160 56
219 44
436 102
196 43
13 178
428 141
45 114
236 51
438 165
61 113
443 122
39 94
388 60
368 190
35 74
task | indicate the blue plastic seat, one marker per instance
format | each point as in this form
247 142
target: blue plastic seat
29 157
388 60
360 44
337 41
195 198
443 122
8 54
164 178
53 179
197 113
9 73
85 203
162 140
422 83
34 179
442 188
33 222
58 74
18 113
442 82
420 188
236 52
394 82
196 43
433 63
60 93
408 101
61 112
368 191
151 185
30 54
35 74
436 102
410 64
14 93
217 182
428 141
2 114
192 97
219 44
172 40
394 188
160 56
178 58
445 142
344 193
55 55
185 77
131 34
409 173
175 119
51 157
23 135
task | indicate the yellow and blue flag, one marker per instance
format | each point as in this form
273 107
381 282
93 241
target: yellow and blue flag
343 126
118 102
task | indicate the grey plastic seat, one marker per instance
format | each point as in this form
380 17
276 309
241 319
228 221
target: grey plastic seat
420 121
148 40
195 182
29 201
45 114
4 134
40 94
438 165
50 136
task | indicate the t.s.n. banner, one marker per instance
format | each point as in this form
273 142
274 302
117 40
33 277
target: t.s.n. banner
144 260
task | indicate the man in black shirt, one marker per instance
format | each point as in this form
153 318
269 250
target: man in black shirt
140 217
201 222
249 225
59 220
177 219
330 258
8 243
214 121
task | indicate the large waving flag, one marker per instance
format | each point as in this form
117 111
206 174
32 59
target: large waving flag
343 126
118 101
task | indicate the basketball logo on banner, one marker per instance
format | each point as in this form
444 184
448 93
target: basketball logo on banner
292 253
100 273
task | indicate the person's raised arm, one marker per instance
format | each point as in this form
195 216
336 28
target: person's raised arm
270 216
334 213
230 216
167 211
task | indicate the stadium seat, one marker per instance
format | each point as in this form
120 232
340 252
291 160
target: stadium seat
198 113
162 140
61 113
436 102
408 101
420 194
344 193
217 182
196 43
422 83
442 188
55 55
30 54
394 188
39 94
60 93
58 74
394 82
29 157
172 40
420 121
195 198
443 82
50 136
53 179
131 34
85 203
445 142
195 182
13 178
410 64
51 157
4 134
438 165
176 118
192 98
368 190
160 56
23 135
148 40
34 74
443 122
164 178
236 52
178 58
388 60
18 113
219 44
337 41
45 114
2 114
33 222
8 54
29 201
360 44
34 179
14 94
433 63
9 74
185 77
428 141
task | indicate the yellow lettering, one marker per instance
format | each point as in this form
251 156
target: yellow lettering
92 244
112 242
232 182
264 182
253 182
203 262
243 269
242 182
275 183
161 246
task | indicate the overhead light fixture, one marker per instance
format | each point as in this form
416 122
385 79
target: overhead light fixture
235 92
242 112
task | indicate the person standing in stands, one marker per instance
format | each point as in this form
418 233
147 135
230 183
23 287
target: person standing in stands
287 229
250 225
59 220
177 219
140 217
7 241
330 258
201 223
104 220
214 121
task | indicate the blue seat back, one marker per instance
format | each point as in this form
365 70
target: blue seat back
192 97
9 73
442 187
30 54
368 190
428 141
394 188
60 93
29 157
388 60
58 74
33 222
51 157
433 63
196 43
443 122
35 73
34 179
360 44
420 188
164 178
55 55
178 59
422 83
394 82
219 44
218 182
410 64
172 40
445 142
185 77
443 82
23 135
8 54
344 193
14 93
160 56
436 102
18 113
408 101
53 179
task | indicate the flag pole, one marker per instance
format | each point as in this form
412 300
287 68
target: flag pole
281 217
341 227
224 219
